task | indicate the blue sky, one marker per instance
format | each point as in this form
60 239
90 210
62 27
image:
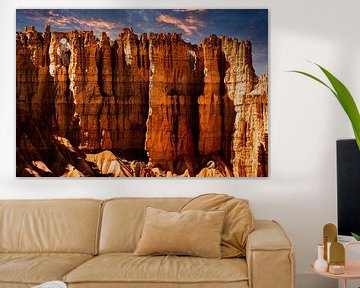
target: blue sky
194 24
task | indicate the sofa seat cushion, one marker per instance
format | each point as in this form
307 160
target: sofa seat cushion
36 268
127 268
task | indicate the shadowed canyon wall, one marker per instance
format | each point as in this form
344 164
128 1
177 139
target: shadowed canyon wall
152 105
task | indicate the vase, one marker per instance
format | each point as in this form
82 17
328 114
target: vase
320 264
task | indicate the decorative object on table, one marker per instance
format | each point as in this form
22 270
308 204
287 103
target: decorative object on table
329 236
171 99
320 264
333 251
336 269
343 270
52 284
344 97
337 258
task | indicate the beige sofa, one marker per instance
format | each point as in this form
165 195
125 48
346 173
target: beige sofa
89 243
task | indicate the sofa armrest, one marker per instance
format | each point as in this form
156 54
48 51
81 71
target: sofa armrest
269 256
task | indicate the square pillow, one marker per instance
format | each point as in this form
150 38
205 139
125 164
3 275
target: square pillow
193 232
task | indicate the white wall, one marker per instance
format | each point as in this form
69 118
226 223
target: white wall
305 120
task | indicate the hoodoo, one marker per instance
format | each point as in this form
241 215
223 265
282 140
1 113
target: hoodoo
152 105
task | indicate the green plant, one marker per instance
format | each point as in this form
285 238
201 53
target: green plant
344 97
356 236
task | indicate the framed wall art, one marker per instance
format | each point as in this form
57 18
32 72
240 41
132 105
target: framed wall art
142 93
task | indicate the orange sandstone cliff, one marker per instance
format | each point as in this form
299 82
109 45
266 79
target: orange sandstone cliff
152 105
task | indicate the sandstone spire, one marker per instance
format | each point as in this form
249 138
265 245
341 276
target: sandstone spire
164 107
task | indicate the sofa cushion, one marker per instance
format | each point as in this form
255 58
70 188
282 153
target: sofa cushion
123 220
63 226
238 223
193 232
125 267
36 268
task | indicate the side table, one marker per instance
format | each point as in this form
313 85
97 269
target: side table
352 268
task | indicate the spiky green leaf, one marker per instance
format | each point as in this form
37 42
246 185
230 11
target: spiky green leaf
316 79
356 236
344 97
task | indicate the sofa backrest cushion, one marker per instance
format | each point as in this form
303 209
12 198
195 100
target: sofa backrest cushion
238 224
66 226
123 220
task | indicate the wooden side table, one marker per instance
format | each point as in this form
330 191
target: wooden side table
352 268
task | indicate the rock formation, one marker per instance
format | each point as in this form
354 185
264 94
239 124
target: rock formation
131 91
176 77
139 106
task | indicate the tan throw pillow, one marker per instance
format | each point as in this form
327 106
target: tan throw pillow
239 220
196 233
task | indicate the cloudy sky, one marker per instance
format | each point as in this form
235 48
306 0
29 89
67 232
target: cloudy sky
194 24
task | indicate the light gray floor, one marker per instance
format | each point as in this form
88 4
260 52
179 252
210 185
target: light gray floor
315 281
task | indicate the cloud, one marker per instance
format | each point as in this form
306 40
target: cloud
190 10
98 23
188 25
191 20
69 21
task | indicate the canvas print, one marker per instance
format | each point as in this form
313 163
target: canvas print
142 93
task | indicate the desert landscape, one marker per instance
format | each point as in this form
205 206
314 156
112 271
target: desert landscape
149 105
